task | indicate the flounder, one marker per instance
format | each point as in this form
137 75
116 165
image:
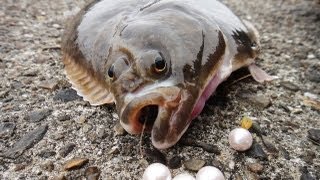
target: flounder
157 60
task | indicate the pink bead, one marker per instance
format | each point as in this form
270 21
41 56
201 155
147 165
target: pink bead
240 139
209 173
157 171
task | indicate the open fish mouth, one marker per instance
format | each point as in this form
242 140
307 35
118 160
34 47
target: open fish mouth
149 108
154 110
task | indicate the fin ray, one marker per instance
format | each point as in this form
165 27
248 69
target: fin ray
86 85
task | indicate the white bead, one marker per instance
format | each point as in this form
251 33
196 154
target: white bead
184 176
209 173
157 171
240 139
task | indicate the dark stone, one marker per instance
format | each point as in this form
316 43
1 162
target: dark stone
314 136
26 142
175 162
92 173
47 153
6 129
308 156
205 146
257 129
256 151
30 73
65 150
305 175
210 148
66 95
38 115
290 86
285 153
313 73
63 117
155 156
271 148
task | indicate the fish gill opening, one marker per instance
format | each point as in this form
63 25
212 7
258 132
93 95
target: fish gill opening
148 116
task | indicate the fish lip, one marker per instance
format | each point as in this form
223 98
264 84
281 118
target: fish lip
130 114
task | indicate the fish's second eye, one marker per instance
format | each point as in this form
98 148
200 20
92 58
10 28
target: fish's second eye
111 71
160 64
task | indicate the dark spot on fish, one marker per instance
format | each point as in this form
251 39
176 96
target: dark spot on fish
245 45
192 74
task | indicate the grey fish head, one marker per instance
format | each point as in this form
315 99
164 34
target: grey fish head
157 69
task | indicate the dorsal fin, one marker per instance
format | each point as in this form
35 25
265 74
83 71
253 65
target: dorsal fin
86 84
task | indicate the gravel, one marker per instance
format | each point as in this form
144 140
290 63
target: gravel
32 79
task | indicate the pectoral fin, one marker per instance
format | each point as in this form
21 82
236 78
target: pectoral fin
86 85
260 75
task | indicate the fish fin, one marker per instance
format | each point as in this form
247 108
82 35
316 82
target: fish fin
260 75
86 84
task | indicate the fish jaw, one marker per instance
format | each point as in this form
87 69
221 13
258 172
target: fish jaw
165 99
174 106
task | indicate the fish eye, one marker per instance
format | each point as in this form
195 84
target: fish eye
111 72
160 64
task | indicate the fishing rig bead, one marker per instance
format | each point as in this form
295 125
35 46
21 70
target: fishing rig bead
157 171
240 139
209 173
184 176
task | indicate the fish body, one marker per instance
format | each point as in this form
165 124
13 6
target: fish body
157 60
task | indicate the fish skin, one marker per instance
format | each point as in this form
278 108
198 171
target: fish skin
202 42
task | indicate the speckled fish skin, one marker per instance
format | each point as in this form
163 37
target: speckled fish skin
202 42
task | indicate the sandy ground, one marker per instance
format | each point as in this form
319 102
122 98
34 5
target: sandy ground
43 124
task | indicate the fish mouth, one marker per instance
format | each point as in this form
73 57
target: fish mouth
156 112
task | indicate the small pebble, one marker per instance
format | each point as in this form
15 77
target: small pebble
47 153
256 151
92 173
50 85
66 95
209 173
65 150
27 141
63 117
290 86
6 129
59 177
19 167
157 171
48 166
240 139
271 148
184 176
155 156
314 135
86 128
255 167
194 164
175 162
38 115
313 73
75 163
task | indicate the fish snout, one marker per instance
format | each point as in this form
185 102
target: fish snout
143 111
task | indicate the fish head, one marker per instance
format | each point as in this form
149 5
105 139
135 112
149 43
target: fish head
155 74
